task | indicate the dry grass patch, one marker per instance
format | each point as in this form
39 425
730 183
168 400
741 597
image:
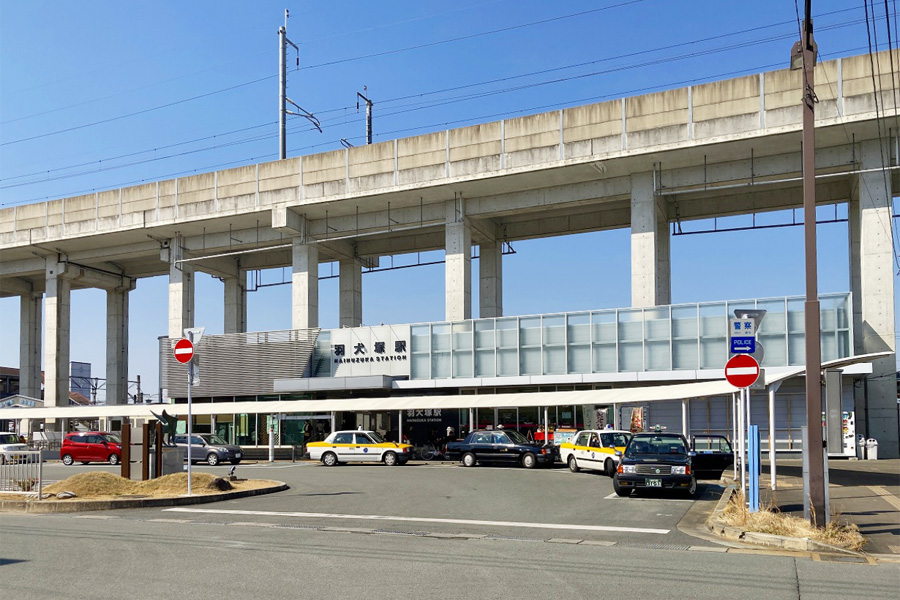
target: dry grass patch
106 486
770 519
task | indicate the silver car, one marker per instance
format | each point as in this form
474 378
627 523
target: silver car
209 448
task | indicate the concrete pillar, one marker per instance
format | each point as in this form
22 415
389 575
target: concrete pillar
872 289
56 336
181 299
30 345
117 346
490 276
350 301
650 265
304 285
236 303
458 262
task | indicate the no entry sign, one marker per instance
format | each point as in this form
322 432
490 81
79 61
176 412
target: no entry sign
741 371
184 350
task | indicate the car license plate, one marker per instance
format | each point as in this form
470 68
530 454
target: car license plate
237 454
653 482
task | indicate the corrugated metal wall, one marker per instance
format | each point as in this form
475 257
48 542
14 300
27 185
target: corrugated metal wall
238 364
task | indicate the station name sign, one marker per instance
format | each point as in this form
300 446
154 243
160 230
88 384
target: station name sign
361 351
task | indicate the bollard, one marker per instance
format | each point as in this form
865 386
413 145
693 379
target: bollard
872 449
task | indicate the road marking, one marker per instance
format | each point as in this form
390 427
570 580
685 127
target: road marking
894 549
886 496
304 515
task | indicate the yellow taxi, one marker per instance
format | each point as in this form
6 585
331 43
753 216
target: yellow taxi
358 446
594 450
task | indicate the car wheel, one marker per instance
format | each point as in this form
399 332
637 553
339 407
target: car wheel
113 459
235 462
68 460
610 467
329 459
573 464
619 489
692 488
390 459
212 459
468 459
529 461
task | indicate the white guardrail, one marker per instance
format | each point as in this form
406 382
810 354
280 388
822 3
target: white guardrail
21 472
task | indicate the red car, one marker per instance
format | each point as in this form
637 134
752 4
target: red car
91 446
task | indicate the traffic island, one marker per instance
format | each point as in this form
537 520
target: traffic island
771 528
104 491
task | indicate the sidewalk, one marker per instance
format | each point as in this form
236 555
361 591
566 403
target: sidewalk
864 492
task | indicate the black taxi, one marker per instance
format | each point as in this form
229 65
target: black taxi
656 461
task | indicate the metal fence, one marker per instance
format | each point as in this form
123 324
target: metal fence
21 472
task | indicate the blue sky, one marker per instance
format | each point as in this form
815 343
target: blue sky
97 95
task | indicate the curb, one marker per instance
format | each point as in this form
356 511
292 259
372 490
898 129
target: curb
36 507
737 534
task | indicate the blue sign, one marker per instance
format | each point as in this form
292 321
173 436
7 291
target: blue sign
743 345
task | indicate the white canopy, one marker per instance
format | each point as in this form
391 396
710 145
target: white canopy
622 395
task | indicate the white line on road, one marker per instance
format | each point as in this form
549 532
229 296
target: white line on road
615 496
421 520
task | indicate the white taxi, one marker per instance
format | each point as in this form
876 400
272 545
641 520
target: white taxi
358 446
594 449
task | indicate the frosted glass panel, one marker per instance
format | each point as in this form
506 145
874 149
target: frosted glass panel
555 360
485 363
775 347
462 364
440 338
656 356
462 336
579 328
508 363
440 366
631 357
797 349
579 359
530 331
605 358
713 354
507 333
684 321
530 361
554 330
631 326
420 366
684 354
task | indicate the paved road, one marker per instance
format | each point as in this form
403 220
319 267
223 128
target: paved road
499 533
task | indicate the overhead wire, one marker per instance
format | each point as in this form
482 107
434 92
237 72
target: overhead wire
453 99
428 126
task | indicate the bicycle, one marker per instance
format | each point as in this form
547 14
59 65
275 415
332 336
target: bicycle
426 451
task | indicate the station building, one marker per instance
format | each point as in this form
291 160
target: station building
647 163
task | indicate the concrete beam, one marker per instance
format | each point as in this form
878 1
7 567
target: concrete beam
30 305
15 286
872 284
117 347
56 336
458 262
650 265
288 221
304 285
89 277
235 293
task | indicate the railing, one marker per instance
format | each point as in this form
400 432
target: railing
21 472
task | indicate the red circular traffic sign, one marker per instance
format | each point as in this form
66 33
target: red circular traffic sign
741 370
184 350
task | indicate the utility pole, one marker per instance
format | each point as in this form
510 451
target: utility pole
803 56
283 100
368 113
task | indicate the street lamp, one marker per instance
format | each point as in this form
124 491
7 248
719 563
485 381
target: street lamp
803 57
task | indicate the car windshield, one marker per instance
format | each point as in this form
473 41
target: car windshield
214 440
377 438
111 437
655 444
8 438
516 437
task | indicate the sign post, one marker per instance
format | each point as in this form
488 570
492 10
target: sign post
184 353
742 371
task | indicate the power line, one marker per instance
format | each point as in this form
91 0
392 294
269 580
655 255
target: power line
755 69
423 106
